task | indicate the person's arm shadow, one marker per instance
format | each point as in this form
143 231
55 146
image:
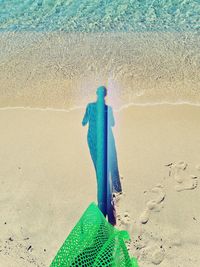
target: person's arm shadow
111 120
86 116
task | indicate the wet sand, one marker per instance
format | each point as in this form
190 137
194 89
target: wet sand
62 70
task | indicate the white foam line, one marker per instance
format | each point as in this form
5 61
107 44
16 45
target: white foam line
43 109
115 109
156 104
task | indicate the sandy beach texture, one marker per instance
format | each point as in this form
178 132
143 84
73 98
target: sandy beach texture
47 181
62 70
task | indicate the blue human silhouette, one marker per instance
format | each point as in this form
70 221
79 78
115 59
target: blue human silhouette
103 152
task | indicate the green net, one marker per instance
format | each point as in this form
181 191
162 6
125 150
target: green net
94 243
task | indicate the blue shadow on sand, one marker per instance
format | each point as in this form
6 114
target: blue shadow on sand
103 152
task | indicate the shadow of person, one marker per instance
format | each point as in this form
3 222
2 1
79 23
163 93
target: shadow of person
103 152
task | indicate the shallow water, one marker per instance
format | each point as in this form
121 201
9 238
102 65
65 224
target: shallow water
62 70
99 16
56 53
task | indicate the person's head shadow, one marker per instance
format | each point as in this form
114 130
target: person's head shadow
101 93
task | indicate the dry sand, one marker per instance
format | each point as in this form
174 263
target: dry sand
47 181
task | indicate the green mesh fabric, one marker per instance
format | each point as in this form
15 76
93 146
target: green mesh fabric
94 243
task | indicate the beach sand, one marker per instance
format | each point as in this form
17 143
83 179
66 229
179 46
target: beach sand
47 181
62 70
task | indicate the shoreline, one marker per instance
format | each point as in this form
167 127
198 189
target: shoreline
124 107
62 70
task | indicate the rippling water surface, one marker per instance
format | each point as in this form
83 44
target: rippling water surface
54 53
99 15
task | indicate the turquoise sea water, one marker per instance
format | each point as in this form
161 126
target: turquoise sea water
99 15
55 53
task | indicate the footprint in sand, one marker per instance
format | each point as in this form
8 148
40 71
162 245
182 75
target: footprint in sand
123 217
158 256
144 217
124 222
188 184
150 251
198 167
154 205
183 180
